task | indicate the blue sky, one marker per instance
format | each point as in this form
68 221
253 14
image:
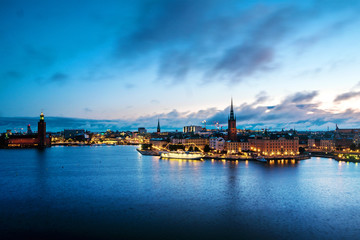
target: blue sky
285 63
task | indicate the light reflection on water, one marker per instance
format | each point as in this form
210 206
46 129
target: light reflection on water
114 192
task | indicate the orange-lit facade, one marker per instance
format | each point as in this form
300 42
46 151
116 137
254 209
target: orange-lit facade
275 147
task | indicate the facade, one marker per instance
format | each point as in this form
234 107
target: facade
244 146
158 142
232 147
217 144
199 142
178 141
192 129
311 143
327 144
232 132
275 146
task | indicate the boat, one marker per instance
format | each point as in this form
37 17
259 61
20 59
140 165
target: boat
260 159
182 155
149 152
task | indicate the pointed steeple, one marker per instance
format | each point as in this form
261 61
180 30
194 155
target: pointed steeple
158 126
232 116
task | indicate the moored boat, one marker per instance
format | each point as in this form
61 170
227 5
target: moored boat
182 155
260 159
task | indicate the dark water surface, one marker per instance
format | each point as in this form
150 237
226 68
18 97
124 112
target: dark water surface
114 192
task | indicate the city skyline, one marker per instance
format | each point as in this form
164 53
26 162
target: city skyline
124 65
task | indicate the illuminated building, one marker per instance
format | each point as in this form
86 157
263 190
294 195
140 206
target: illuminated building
74 134
42 131
30 140
232 132
199 142
192 129
217 143
232 147
275 146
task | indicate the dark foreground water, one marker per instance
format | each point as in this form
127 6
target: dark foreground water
114 192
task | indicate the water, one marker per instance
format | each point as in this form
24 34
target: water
114 192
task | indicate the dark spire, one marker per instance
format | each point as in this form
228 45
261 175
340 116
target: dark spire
232 116
158 126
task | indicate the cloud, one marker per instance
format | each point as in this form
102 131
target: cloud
326 32
300 97
261 97
58 77
88 110
346 96
302 114
221 40
129 86
154 101
13 75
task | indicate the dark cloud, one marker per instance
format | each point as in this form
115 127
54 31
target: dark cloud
12 75
328 31
59 77
38 56
261 97
346 96
218 41
301 97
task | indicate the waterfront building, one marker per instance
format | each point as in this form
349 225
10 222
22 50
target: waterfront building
232 147
244 146
232 132
327 144
158 143
311 143
30 140
344 138
42 131
199 142
74 134
274 145
192 129
217 143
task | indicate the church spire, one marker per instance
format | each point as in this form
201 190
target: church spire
232 115
158 126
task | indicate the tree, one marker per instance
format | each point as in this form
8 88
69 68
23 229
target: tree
301 150
353 147
207 148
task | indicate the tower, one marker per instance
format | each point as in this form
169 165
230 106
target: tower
232 132
42 131
158 127
29 129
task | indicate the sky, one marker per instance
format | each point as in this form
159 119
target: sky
124 64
